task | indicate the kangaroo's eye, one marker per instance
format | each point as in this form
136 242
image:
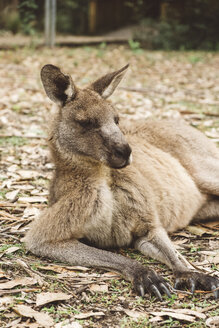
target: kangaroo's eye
85 123
88 124
116 119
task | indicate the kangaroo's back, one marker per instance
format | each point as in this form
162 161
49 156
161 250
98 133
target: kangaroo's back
192 148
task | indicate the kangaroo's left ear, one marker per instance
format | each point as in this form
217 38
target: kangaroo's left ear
106 85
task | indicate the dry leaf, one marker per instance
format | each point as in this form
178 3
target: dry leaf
182 234
135 314
64 269
181 295
68 324
27 174
42 318
210 253
2 274
18 281
11 250
179 316
76 268
5 300
198 230
33 199
9 315
44 298
13 168
88 315
12 195
16 227
15 323
212 134
110 274
31 211
180 241
211 224
99 288
155 319
212 322
213 258
187 311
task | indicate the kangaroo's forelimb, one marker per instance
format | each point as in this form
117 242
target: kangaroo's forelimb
76 253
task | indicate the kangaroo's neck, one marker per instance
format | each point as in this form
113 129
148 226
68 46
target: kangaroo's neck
79 167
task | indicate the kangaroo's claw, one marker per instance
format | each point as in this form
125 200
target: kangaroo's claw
146 280
195 279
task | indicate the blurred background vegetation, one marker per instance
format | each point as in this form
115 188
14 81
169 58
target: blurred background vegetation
158 24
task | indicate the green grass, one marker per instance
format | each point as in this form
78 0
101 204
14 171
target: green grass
4 247
194 59
13 141
17 108
135 323
19 252
3 192
62 312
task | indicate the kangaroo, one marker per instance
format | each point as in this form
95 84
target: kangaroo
100 199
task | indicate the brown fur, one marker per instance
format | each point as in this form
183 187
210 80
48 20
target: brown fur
98 199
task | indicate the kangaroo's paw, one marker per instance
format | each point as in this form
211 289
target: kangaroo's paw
146 280
195 279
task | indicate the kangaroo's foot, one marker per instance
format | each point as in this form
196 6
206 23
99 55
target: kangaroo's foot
146 280
195 279
160 247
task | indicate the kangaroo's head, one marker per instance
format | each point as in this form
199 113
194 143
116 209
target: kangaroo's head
87 124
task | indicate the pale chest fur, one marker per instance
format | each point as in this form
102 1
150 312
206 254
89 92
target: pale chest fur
108 226
98 228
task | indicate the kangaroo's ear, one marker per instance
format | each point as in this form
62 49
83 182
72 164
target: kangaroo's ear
59 87
107 83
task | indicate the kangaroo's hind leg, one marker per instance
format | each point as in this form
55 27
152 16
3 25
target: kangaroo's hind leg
206 175
209 211
160 247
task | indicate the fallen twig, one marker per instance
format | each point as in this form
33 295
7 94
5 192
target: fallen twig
209 308
9 236
31 272
7 216
15 291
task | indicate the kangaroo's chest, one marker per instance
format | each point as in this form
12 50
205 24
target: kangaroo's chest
97 229
109 225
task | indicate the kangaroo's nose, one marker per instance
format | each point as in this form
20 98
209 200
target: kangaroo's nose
123 152
120 156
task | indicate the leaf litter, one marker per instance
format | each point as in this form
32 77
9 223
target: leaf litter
41 318
38 293
45 298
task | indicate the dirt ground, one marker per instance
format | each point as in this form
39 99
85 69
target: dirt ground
36 292
13 41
